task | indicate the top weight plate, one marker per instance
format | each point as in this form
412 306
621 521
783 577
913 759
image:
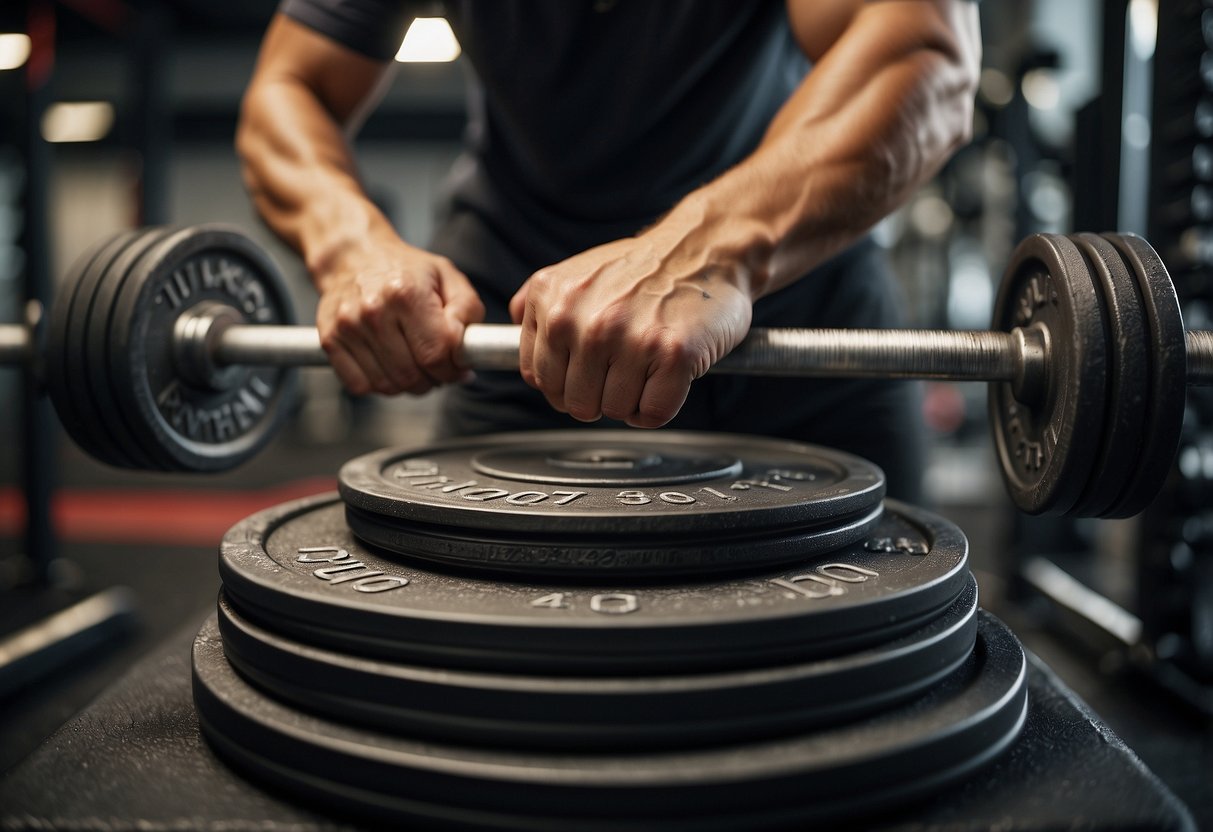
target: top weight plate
298 570
624 502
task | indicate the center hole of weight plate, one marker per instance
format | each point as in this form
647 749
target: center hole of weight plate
605 459
620 465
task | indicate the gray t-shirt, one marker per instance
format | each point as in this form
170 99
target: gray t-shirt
588 119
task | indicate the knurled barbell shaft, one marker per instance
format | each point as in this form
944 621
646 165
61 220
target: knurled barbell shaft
952 355
843 353
1200 357
942 354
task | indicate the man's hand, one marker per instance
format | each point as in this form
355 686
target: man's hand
622 329
391 318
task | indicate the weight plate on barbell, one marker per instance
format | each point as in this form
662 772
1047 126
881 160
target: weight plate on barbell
66 367
1168 374
1047 445
86 344
185 426
617 712
628 502
299 570
839 770
1128 377
106 390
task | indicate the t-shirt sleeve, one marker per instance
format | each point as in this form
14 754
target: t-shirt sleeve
371 27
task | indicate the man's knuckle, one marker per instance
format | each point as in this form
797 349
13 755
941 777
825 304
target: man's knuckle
372 315
347 323
430 354
402 295
543 279
561 324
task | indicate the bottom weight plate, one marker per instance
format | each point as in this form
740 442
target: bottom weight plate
925 745
298 570
626 712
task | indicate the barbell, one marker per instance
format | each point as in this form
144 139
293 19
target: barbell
168 349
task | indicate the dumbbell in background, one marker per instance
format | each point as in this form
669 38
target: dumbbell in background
167 349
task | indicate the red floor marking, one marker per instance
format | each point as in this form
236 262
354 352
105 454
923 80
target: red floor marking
174 517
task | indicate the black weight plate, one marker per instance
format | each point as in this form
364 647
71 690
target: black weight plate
1047 446
298 570
923 746
187 427
631 502
624 713
620 556
1168 376
1128 377
98 322
66 369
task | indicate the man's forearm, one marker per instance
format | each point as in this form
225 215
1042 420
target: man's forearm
301 176
293 143
878 115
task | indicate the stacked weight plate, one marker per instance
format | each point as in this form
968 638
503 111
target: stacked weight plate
559 631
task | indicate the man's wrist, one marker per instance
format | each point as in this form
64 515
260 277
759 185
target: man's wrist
338 248
722 242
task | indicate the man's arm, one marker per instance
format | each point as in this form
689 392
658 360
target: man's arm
622 329
391 316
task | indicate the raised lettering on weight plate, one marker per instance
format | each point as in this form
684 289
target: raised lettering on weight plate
211 273
1030 453
847 572
890 545
345 568
810 586
220 423
425 475
1035 294
829 579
